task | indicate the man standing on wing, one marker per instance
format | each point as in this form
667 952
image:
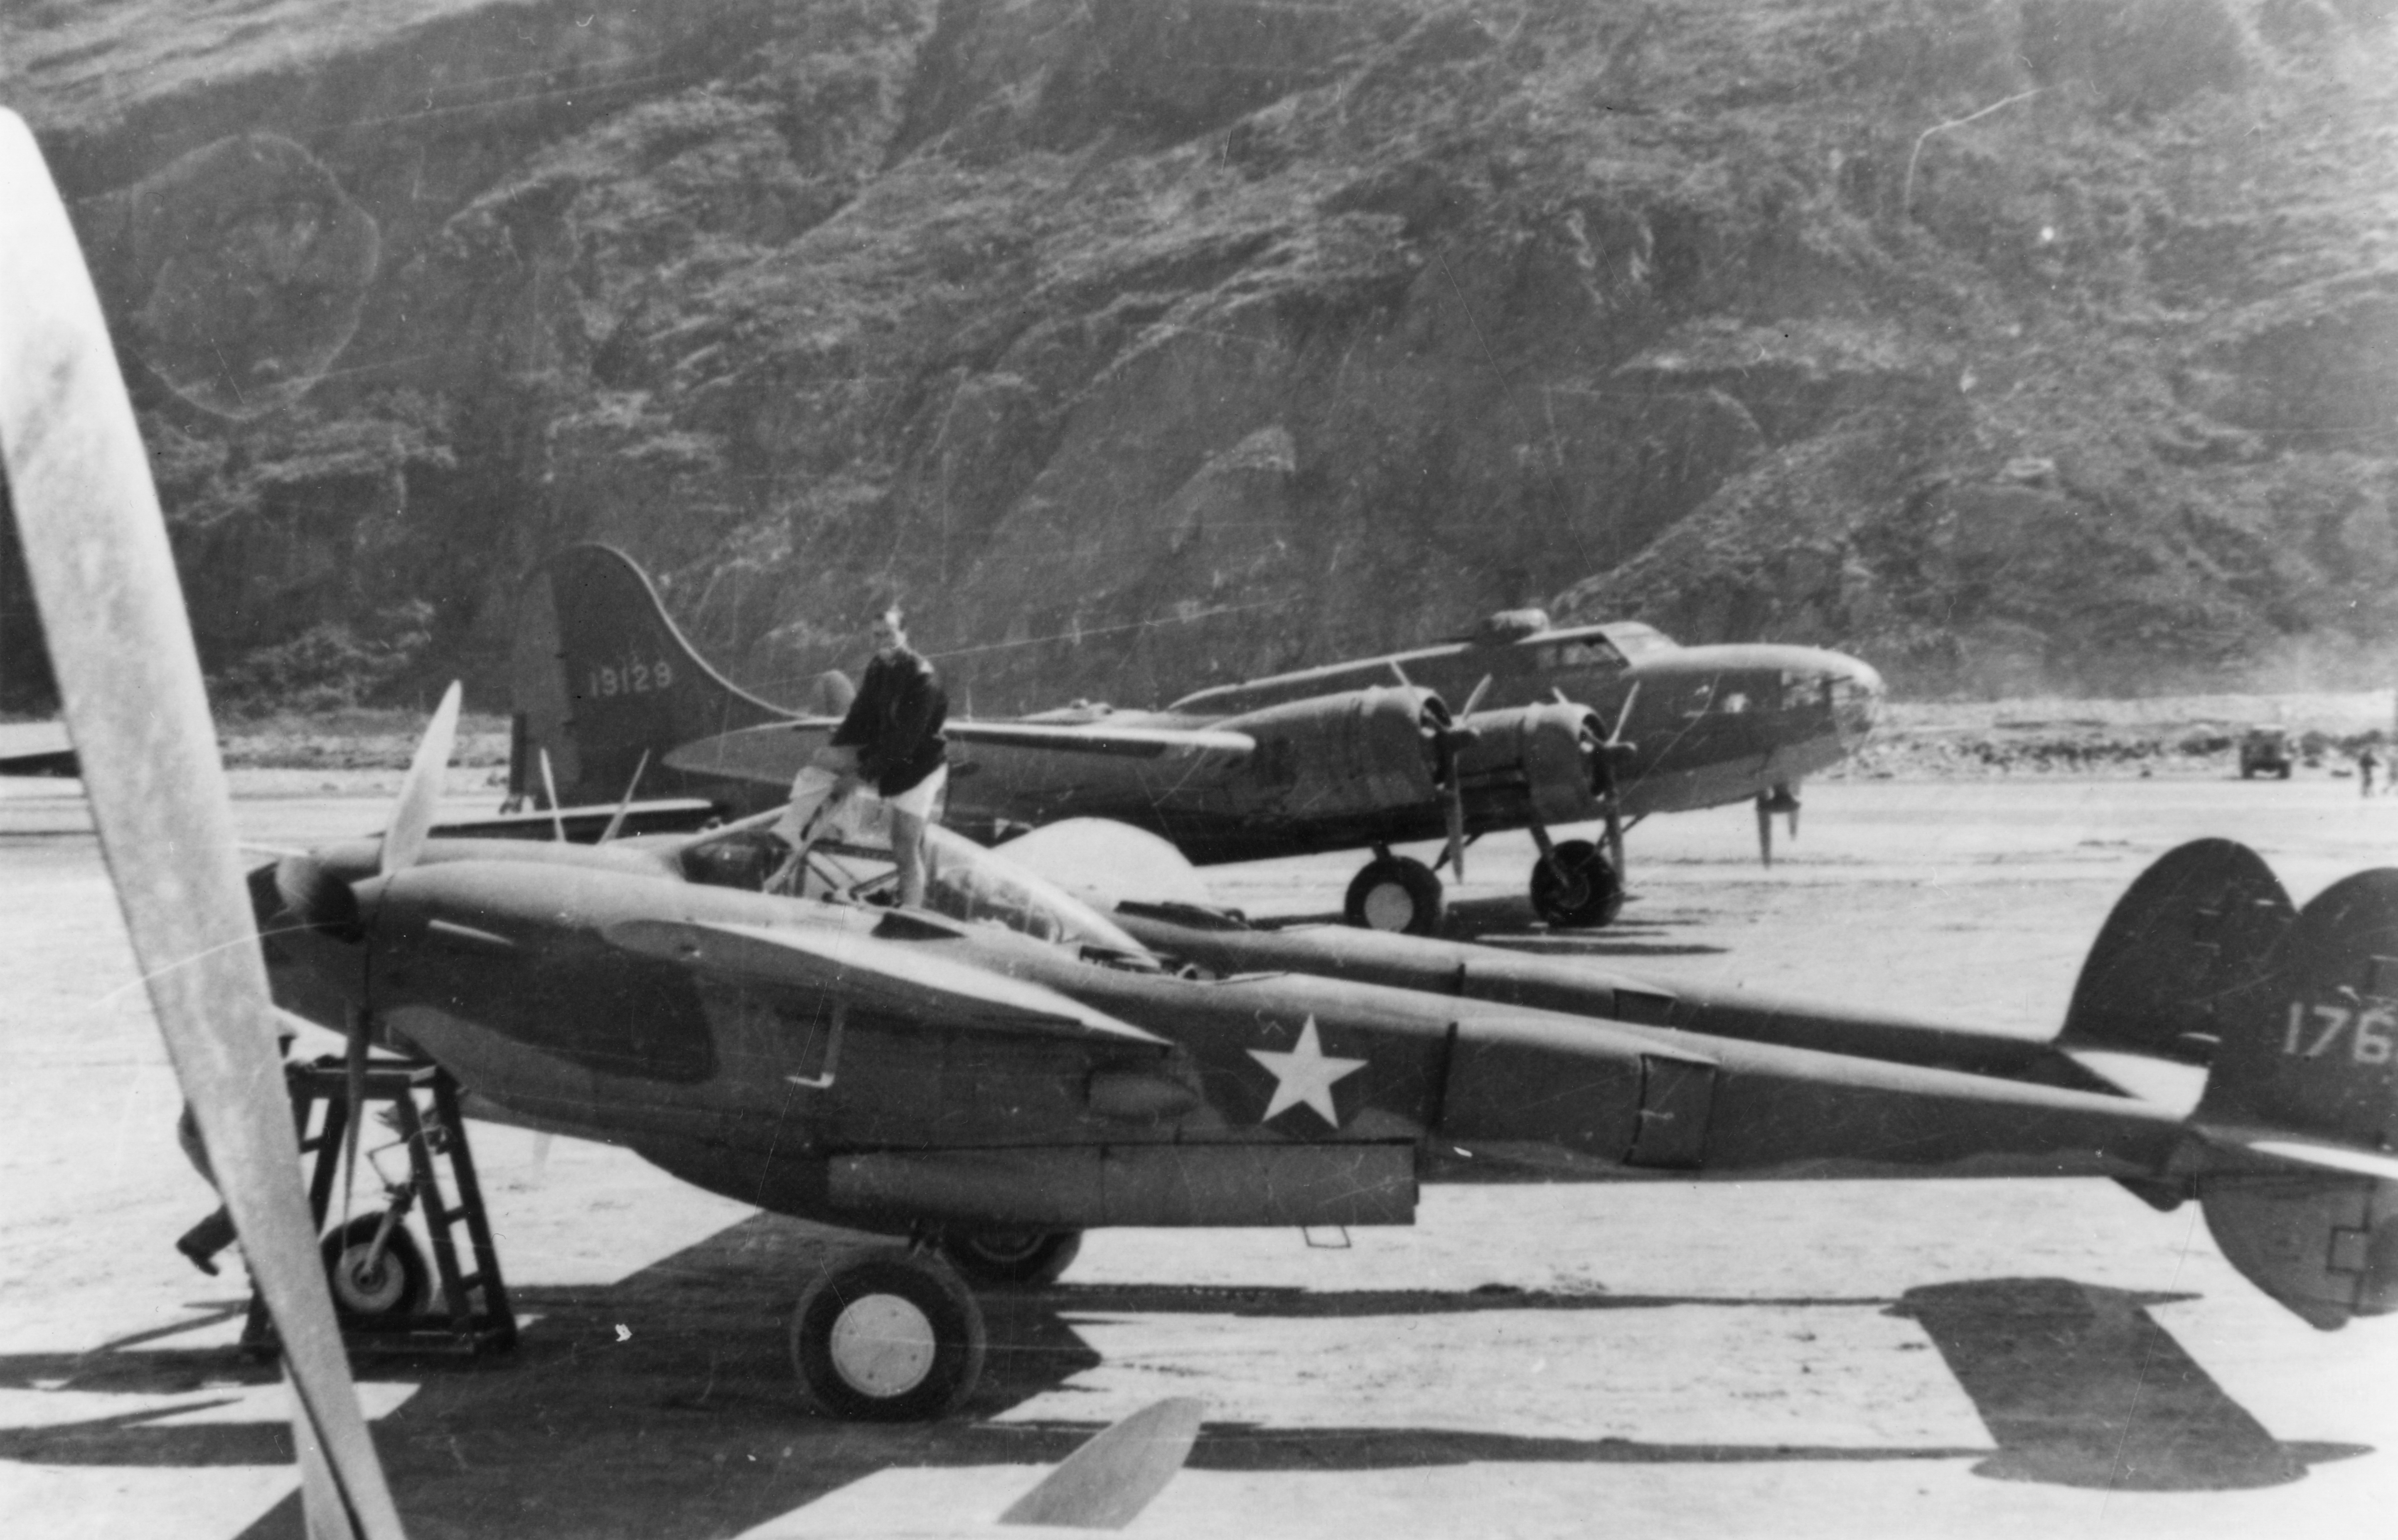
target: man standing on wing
891 739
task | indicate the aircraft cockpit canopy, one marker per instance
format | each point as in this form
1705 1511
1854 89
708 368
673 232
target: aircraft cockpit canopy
1637 639
851 864
966 881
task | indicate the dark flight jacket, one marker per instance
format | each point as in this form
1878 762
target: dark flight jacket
894 723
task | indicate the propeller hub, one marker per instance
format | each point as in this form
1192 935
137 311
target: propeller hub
318 899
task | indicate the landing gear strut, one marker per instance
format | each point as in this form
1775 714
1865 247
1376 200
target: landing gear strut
1574 883
1397 893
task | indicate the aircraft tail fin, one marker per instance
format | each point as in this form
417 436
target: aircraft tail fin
2183 952
602 676
2299 1182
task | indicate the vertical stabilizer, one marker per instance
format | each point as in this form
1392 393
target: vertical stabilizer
602 676
2184 951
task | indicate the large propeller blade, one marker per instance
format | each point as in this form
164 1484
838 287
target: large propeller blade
1455 739
404 834
96 551
624 806
549 789
1612 753
419 801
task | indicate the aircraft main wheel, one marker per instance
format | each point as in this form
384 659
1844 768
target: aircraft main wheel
1588 893
1397 893
367 1287
999 1258
888 1336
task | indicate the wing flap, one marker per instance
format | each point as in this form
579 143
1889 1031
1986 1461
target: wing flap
905 976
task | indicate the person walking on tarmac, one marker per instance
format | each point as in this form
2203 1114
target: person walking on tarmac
891 740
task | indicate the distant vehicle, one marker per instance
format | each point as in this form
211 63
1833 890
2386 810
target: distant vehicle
2265 750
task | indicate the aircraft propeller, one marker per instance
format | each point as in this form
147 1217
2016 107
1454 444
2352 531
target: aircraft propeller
104 578
1455 739
1615 752
404 834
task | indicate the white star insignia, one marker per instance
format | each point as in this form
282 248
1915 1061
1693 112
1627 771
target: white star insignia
1305 1074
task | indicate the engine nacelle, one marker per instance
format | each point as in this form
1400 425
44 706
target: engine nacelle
1549 753
1335 756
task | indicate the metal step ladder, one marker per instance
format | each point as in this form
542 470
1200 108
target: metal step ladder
469 1315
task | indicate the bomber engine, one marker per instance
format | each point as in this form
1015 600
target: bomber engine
1548 755
1342 756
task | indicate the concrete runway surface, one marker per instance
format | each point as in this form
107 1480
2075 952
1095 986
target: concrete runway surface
1986 1358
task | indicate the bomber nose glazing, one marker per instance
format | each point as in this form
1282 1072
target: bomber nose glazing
1856 702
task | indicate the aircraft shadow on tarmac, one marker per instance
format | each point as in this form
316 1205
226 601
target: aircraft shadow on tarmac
668 1396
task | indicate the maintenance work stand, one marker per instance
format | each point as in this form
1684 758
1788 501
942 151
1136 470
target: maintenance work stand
383 1295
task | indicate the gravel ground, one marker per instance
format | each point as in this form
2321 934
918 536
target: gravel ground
1993 1358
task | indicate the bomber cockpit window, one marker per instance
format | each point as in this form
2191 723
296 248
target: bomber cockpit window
1581 652
1636 638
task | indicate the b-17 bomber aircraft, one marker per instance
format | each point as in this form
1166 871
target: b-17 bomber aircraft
1522 726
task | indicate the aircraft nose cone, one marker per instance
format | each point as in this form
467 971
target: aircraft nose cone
1856 704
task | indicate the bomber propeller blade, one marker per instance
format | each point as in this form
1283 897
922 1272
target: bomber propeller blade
1454 740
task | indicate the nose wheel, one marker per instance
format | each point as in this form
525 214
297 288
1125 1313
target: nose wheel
888 1335
376 1271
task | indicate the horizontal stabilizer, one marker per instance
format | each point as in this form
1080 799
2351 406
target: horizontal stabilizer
898 974
770 753
2379 1165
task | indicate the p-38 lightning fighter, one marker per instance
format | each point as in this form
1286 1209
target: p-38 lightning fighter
1523 726
1006 1068
97 552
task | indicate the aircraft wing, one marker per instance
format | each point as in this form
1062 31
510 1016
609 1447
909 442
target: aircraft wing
890 973
774 751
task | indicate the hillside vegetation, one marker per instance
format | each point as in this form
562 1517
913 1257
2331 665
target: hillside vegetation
2013 345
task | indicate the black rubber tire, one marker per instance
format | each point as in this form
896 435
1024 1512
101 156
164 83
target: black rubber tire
396 1289
1587 896
1019 1259
888 1336
1377 894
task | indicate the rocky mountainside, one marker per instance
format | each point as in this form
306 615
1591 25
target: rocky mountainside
1139 344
